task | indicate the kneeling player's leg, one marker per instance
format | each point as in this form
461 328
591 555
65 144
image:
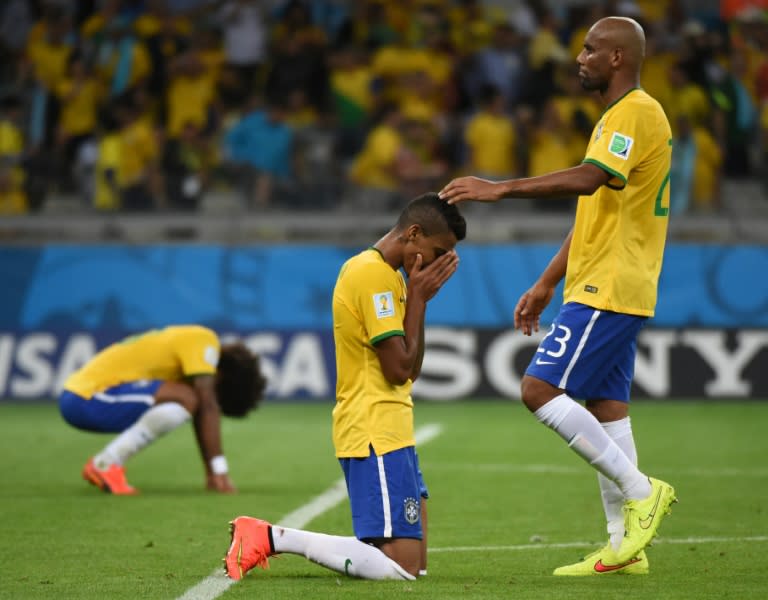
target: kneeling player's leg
386 517
346 555
385 494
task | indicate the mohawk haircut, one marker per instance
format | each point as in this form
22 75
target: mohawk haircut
433 215
239 381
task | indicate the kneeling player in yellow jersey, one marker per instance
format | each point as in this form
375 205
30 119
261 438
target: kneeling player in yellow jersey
611 262
150 384
378 325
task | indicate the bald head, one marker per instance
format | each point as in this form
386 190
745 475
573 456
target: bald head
621 33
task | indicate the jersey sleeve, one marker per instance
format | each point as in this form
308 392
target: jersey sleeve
381 302
198 351
617 145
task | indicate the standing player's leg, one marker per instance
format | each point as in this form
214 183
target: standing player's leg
580 349
613 416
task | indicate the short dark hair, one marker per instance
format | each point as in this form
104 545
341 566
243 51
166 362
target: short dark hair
239 381
433 215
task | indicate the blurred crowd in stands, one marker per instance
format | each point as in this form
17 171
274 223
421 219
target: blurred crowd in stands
131 105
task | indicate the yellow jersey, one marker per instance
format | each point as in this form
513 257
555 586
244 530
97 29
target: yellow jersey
170 354
106 194
368 306
620 231
374 166
11 141
78 109
491 140
138 150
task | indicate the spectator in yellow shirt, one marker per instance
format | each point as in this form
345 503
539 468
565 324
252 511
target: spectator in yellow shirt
686 98
139 155
11 137
191 92
554 145
79 94
47 53
707 171
490 138
374 169
106 190
49 47
13 197
420 165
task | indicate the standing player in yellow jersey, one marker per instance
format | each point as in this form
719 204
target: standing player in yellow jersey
611 262
379 341
150 384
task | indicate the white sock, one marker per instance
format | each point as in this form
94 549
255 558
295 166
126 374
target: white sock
158 420
342 554
577 426
620 432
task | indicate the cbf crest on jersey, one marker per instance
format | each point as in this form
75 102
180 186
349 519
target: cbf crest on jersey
411 510
384 305
620 145
599 131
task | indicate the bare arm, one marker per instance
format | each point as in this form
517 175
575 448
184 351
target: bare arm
401 356
584 179
533 302
207 422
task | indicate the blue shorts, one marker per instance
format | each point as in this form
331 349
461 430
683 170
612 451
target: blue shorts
589 353
385 494
111 411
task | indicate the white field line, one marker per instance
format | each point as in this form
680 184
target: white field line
217 583
580 470
689 540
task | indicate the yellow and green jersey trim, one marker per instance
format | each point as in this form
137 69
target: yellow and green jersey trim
387 334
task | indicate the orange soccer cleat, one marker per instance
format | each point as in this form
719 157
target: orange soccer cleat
111 480
251 545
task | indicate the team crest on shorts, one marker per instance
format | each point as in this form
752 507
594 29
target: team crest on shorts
412 511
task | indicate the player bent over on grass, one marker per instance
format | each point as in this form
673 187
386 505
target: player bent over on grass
378 324
611 262
149 384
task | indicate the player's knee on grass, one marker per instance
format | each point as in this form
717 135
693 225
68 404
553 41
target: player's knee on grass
406 552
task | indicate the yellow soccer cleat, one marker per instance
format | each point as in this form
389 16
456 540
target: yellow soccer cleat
249 548
603 562
642 519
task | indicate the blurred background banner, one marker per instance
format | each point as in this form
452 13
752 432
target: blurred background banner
128 288
63 303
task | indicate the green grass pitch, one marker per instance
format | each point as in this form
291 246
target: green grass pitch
508 504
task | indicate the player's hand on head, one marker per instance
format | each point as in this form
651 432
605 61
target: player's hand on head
426 281
469 188
220 483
